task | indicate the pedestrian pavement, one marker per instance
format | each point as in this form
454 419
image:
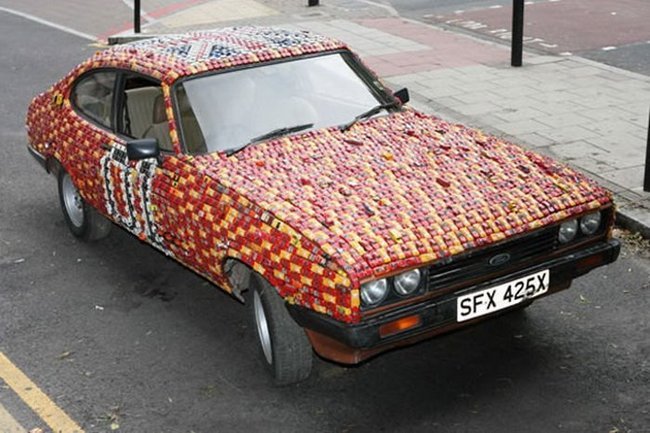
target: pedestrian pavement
591 116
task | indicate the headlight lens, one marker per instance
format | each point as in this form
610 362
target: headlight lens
407 282
590 223
568 231
373 292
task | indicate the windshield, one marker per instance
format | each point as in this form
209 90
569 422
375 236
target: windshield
225 111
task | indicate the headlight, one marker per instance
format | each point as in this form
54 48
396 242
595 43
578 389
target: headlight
407 282
373 292
590 223
568 231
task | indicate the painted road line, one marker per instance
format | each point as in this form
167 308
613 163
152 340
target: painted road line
48 23
391 10
8 423
36 399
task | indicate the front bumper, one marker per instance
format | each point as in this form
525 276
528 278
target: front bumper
352 343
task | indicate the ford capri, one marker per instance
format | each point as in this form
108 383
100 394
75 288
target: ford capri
275 164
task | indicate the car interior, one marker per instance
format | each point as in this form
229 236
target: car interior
143 114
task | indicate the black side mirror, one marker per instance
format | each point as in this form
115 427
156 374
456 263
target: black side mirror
143 148
402 95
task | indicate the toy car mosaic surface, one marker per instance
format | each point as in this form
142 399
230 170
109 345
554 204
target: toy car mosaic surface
277 166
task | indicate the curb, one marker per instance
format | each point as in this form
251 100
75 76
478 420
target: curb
634 219
125 39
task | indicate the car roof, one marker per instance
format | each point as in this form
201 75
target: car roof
170 57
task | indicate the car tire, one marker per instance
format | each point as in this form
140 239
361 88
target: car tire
83 221
284 346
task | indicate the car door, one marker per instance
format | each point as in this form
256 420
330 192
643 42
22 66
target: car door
109 108
132 194
154 198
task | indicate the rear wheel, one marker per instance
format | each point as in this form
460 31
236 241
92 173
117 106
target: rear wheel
83 221
285 348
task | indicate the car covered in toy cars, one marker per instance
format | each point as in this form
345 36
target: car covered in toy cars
279 167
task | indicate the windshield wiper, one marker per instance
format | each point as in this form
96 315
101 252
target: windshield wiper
271 134
374 110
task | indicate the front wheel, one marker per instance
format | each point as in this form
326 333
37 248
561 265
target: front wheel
83 221
284 345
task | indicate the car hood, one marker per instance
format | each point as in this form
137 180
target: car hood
404 189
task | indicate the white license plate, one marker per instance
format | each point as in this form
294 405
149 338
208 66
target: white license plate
505 295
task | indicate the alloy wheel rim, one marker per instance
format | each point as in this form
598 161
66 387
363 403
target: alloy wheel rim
73 202
262 327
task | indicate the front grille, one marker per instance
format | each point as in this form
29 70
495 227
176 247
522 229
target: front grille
474 266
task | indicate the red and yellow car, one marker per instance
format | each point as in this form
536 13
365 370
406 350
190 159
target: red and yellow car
279 167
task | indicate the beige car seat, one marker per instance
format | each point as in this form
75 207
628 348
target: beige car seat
140 105
159 127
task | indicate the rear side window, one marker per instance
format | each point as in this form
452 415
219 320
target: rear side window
93 96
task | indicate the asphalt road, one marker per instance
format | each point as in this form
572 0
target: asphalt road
115 333
418 8
615 33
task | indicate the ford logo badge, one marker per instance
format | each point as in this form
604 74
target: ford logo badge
499 259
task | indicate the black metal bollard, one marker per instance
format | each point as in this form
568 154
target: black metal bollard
646 177
312 3
517 48
136 16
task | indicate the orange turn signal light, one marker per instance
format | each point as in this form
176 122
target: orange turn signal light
590 263
399 325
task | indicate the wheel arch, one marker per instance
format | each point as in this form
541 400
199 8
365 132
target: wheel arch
53 165
242 278
239 276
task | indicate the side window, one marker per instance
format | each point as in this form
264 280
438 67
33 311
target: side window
92 95
142 112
